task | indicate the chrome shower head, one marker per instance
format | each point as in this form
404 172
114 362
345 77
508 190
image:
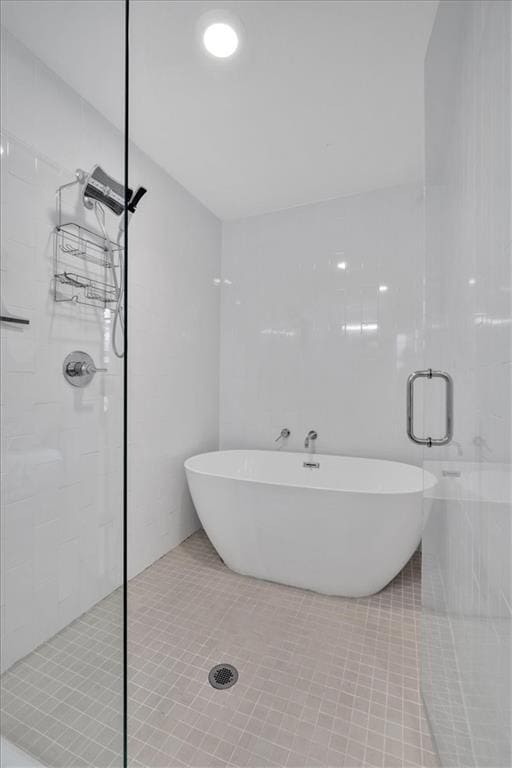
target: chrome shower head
102 188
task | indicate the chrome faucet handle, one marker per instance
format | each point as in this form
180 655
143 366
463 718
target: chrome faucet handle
285 432
82 369
91 368
79 369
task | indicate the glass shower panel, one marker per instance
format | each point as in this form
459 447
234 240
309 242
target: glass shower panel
62 699
466 585
317 305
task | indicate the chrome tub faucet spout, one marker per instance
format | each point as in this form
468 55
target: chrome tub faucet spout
310 438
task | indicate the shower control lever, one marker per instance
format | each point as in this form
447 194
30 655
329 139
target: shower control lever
283 435
82 369
79 369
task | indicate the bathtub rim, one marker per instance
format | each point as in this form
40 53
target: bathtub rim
429 480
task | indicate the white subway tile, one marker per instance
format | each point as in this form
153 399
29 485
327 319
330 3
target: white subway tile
68 569
63 448
19 602
18 530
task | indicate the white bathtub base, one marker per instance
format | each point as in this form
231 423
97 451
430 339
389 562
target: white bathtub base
349 543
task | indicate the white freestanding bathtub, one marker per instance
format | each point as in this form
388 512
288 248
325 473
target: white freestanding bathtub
346 527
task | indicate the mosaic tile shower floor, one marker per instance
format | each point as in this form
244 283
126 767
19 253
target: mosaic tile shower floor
324 681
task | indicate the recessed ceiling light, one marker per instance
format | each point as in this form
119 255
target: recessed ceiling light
220 39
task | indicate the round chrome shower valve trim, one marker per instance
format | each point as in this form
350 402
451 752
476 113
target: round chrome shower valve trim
78 368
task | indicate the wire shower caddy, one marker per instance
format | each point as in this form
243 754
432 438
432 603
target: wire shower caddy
83 270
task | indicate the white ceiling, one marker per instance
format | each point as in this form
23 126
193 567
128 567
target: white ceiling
324 98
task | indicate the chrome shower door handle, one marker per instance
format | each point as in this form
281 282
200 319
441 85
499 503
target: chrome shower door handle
448 435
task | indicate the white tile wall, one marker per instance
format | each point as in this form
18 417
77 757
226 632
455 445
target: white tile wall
467 547
62 448
174 311
308 344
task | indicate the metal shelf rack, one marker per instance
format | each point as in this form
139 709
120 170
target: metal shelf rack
84 263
